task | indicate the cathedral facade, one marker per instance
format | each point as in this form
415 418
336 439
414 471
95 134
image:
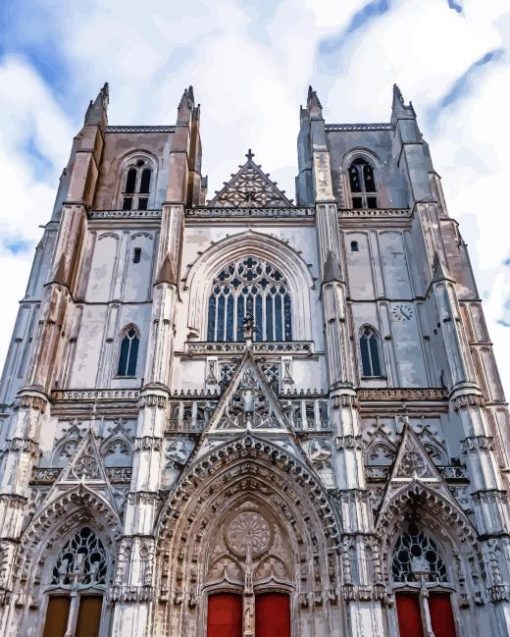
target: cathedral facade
246 416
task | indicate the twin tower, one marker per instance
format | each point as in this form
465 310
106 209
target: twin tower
249 417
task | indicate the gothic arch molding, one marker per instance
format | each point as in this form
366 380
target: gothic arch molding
74 508
447 523
291 265
247 474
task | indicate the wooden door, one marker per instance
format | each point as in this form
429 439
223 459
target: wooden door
441 615
272 615
57 615
409 615
89 616
225 615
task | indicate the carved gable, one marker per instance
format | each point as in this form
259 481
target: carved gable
248 402
250 188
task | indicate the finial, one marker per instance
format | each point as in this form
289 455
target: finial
313 103
249 155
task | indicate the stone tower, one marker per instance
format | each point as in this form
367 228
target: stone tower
250 417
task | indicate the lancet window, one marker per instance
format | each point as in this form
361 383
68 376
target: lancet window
370 352
76 587
362 183
254 286
420 580
137 183
128 352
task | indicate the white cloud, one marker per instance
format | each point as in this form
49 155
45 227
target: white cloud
250 64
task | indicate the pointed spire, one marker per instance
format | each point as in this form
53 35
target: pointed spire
332 271
399 108
166 272
97 109
313 104
188 98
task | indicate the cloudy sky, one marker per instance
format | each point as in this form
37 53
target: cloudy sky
250 62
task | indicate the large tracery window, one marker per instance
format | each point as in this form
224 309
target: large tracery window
420 578
249 286
76 588
362 182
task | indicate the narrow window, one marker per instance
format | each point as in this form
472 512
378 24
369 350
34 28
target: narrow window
128 353
354 246
131 181
369 349
142 203
362 184
137 253
127 203
145 182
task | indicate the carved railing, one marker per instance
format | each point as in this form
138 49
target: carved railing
305 414
48 475
450 473
124 214
201 348
88 395
371 213
405 394
216 211
358 127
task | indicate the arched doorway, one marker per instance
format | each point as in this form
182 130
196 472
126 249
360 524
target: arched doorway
252 537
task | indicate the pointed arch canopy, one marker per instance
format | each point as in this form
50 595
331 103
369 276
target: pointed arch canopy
270 249
258 480
74 507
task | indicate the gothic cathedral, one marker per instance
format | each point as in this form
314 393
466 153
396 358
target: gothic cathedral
246 416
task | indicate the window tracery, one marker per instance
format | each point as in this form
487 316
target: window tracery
250 285
370 354
136 185
81 560
362 183
416 558
128 352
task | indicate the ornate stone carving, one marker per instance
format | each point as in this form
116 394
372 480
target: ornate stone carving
248 529
250 188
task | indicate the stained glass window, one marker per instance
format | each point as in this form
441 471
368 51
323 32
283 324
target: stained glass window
249 286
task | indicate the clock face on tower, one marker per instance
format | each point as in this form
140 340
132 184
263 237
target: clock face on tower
402 312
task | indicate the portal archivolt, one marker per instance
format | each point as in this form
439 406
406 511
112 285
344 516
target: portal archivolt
247 527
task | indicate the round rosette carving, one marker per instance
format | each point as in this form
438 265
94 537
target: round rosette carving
248 529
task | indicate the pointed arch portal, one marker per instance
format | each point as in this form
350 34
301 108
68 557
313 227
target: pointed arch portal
254 537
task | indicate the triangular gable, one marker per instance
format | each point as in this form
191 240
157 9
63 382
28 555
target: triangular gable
248 403
413 464
86 468
250 187
87 464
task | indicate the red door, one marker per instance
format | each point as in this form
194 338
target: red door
225 615
441 615
409 615
272 615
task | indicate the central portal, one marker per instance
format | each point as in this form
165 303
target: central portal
249 574
225 615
